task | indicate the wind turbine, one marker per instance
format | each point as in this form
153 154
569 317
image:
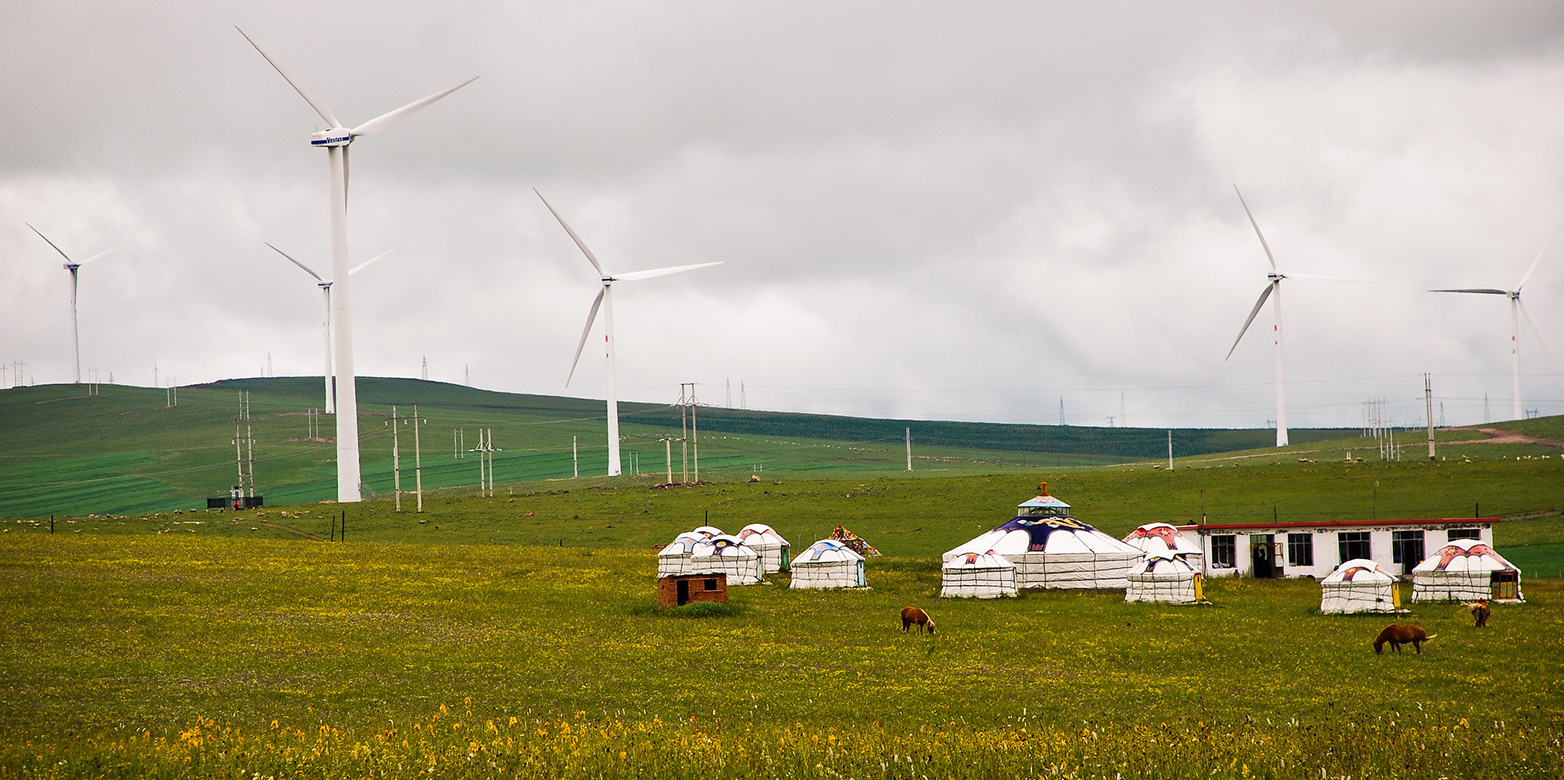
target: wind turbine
605 299
1274 287
325 287
1516 305
335 139
74 267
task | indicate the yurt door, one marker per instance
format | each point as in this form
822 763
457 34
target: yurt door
684 592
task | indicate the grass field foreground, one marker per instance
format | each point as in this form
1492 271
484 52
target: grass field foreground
157 656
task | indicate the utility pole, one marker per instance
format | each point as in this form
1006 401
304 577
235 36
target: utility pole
244 447
1170 450
575 460
418 458
396 460
743 404
1428 401
684 434
425 373
909 450
668 458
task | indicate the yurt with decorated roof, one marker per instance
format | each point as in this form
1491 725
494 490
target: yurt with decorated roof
1051 549
772 547
972 575
1164 577
675 558
1164 538
1358 585
1466 570
727 555
828 564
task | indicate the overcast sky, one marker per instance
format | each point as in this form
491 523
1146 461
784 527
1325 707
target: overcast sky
930 210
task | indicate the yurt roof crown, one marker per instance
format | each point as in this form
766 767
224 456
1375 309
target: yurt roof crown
1043 505
827 550
1360 570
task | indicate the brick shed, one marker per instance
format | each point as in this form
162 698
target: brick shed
680 589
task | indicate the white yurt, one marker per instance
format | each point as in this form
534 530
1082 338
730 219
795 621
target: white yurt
675 558
1165 577
1050 549
1466 570
1162 537
828 564
1359 585
772 547
727 555
984 575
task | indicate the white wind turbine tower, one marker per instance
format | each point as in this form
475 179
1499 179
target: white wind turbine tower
74 267
325 288
1516 305
335 139
1274 288
605 299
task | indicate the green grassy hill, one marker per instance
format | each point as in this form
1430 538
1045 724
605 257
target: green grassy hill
64 452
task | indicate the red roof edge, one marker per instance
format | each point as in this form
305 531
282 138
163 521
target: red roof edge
1463 521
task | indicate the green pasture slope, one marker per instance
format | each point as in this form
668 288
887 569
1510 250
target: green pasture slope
64 452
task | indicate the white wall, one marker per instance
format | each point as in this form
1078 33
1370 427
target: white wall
1327 550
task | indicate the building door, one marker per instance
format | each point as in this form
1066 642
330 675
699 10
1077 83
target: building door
684 592
1262 558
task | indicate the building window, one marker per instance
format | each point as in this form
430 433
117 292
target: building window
1464 533
1406 547
1222 551
1353 544
1300 549
711 584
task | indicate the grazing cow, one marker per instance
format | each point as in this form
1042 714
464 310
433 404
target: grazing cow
1401 635
1480 612
913 615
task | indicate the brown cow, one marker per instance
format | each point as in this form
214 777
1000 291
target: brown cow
913 615
1401 635
1480 612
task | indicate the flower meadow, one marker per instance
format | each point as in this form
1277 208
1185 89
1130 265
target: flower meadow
448 744
165 656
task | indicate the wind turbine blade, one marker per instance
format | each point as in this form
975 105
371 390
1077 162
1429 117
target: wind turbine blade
591 315
1257 232
1536 260
591 258
1328 278
1483 291
296 262
309 97
50 243
100 254
392 117
1252 314
361 266
1535 330
633 275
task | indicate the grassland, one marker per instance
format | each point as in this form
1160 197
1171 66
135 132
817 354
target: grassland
126 451
183 656
513 635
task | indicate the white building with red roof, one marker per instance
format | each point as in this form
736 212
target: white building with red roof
1314 549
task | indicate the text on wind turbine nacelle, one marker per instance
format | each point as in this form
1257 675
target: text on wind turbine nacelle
333 137
71 266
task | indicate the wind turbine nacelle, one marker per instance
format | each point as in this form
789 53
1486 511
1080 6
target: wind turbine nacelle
333 137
